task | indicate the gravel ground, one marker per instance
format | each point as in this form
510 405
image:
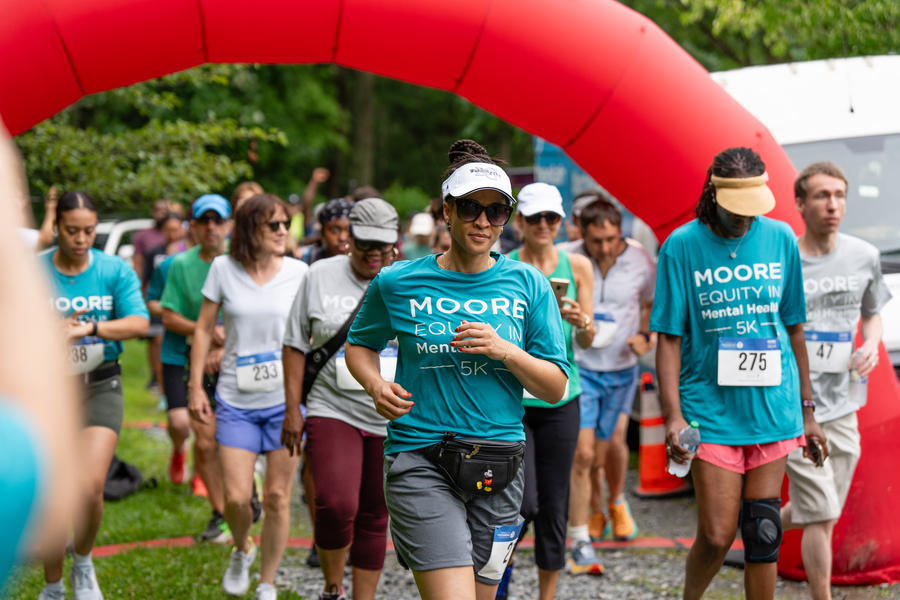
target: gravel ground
630 574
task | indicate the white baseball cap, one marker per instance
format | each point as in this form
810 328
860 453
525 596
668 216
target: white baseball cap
472 177
421 224
540 197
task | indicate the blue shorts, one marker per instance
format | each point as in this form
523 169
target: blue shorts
256 431
604 396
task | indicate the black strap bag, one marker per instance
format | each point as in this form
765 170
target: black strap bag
477 467
123 479
316 359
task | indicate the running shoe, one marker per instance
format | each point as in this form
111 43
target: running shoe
267 592
256 504
598 526
313 559
47 594
583 560
624 527
503 588
84 582
236 580
333 594
217 530
177 470
198 487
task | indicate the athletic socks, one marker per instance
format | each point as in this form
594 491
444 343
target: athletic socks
81 560
56 586
579 534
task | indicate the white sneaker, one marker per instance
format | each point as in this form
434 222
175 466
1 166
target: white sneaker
47 594
266 593
84 582
236 581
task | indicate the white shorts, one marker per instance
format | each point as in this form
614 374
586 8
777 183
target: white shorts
818 493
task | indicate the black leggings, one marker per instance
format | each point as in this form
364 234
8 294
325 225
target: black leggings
551 437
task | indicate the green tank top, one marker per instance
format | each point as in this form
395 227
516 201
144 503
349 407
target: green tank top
563 271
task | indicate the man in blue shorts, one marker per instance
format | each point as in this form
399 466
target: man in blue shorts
624 284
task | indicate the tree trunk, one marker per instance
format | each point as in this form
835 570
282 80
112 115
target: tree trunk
363 129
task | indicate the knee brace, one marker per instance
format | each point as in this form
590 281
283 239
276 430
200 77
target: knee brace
761 530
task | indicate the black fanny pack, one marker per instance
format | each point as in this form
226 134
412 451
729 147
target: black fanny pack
477 467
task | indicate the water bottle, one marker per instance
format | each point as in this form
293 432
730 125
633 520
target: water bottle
689 438
858 385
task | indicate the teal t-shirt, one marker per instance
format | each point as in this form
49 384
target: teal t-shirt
704 295
109 289
563 271
469 394
174 346
21 473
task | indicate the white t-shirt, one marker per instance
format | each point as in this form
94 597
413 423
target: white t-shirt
255 319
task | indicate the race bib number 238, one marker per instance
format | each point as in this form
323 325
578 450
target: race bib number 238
749 362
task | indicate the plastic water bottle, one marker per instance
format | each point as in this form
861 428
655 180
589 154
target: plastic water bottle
858 385
689 438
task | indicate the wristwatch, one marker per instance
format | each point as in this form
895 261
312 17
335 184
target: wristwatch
809 403
94 329
587 322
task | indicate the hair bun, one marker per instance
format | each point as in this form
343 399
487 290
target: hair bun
463 149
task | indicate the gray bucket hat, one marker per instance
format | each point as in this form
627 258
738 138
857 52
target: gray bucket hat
373 219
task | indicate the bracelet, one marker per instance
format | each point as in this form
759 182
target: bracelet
809 404
587 323
94 329
646 336
506 354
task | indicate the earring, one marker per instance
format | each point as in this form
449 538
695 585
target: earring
448 223
501 230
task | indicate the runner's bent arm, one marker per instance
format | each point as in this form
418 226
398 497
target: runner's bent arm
391 400
177 323
668 372
122 329
198 403
583 272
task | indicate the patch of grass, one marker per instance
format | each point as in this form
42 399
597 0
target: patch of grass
193 573
140 405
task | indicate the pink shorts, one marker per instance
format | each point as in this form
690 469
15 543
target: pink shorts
741 459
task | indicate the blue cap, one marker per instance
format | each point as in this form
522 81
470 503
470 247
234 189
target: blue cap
213 202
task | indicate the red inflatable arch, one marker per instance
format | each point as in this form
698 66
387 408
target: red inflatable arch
605 83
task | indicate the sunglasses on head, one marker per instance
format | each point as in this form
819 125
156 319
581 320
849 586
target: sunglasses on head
369 245
274 225
497 213
207 219
552 218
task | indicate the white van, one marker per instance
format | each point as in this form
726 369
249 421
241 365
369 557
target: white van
846 111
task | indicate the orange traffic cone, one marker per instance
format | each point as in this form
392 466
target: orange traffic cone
656 482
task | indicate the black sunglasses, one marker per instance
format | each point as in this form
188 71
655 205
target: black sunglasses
273 225
369 245
497 214
207 219
552 218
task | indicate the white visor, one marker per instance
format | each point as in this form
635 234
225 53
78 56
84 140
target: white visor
536 198
472 177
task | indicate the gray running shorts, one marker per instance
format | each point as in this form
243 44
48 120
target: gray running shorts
104 403
436 526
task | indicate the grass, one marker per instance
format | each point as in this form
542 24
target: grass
163 512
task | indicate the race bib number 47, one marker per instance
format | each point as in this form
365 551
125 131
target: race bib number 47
749 362
260 372
829 351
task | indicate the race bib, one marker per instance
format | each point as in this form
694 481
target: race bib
526 394
749 361
829 351
260 372
85 355
505 538
345 381
605 328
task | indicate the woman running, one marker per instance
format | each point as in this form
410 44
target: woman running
551 430
474 328
729 310
345 445
254 286
100 296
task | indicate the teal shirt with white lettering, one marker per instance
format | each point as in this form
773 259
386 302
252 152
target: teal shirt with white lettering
468 394
109 289
702 295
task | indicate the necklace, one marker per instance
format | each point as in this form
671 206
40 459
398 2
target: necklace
741 241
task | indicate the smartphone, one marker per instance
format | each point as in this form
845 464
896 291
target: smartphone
560 287
815 450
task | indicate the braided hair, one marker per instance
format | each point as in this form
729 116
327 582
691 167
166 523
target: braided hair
733 162
463 152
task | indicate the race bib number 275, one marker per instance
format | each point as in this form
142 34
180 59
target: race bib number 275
749 362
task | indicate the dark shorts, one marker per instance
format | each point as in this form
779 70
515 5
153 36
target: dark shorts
175 383
104 403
